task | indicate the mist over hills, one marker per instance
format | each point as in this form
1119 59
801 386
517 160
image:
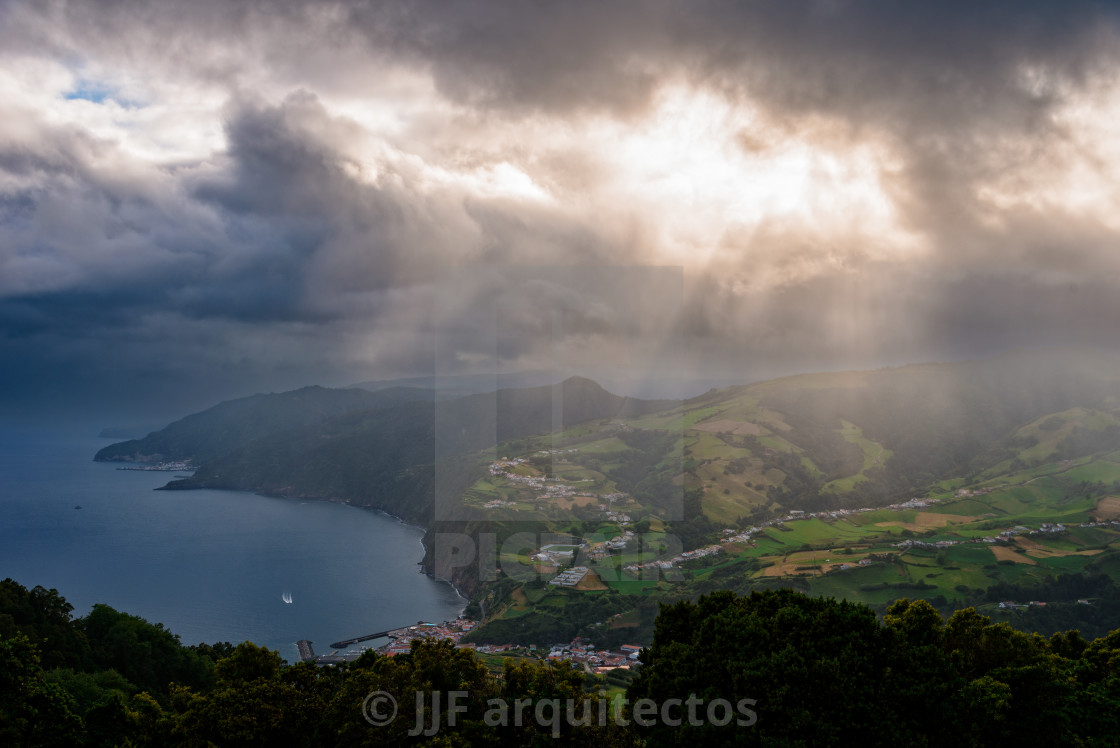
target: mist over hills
218 430
382 455
933 420
808 441
459 385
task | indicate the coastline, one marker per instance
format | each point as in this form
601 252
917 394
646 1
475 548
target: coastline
348 502
424 530
164 556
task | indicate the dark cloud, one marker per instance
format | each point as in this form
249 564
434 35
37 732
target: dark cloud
930 64
293 242
306 244
918 67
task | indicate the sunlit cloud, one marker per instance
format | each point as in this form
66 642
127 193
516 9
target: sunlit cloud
1079 171
838 183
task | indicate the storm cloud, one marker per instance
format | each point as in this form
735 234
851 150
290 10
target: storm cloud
209 199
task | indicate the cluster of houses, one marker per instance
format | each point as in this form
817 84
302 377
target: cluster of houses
927 545
964 493
557 491
668 563
599 661
1102 523
400 641
503 466
1046 528
1019 606
548 488
861 562
451 630
170 466
579 650
1010 605
731 536
532 481
617 543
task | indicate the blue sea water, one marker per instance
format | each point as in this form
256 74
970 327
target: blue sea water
209 565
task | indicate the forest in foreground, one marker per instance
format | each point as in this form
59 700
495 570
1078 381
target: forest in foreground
775 668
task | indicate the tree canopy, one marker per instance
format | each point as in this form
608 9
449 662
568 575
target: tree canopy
774 668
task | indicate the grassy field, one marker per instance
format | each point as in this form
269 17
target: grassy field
733 451
874 455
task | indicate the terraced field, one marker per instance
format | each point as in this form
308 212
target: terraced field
837 456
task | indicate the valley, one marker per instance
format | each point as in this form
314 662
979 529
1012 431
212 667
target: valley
966 484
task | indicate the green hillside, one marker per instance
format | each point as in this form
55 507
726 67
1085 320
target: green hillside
949 482
400 459
832 441
217 431
827 469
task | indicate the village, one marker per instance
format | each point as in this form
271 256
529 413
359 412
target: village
745 536
1046 528
564 557
172 466
579 651
573 565
572 577
551 489
547 489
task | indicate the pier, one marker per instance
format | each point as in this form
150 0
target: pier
306 651
389 632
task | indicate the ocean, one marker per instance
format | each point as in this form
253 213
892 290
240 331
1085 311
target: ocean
209 565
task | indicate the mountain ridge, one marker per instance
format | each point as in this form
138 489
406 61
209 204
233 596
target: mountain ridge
387 458
803 441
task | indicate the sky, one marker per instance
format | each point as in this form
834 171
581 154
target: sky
204 200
